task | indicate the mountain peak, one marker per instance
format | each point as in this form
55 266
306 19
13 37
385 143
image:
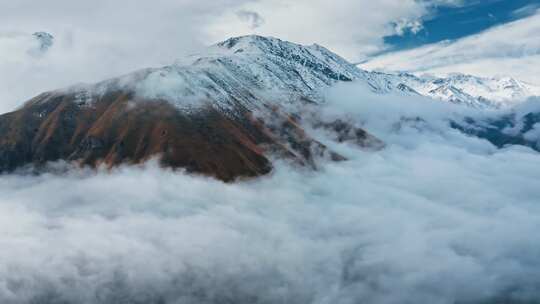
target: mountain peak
254 44
240 67
249 40
274 46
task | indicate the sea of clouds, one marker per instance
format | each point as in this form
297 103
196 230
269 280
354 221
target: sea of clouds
435 217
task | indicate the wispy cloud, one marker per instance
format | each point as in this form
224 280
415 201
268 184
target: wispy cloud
512 49
526 11
254 19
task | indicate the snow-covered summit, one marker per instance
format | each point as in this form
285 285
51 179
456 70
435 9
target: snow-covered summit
245 70
498 89
248 70
313 56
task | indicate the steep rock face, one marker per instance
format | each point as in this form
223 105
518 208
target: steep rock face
223 114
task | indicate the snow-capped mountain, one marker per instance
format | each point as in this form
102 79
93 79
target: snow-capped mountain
219 113
478 92
245 70
501 90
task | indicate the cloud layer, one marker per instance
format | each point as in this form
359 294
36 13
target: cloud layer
436 217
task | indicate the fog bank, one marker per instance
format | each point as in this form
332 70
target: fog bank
436 217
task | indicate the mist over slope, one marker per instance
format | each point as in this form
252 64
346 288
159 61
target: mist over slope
435 217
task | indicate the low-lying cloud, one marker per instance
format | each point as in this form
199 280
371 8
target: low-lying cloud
435 217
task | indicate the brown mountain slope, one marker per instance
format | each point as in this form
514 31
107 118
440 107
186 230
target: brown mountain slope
120 128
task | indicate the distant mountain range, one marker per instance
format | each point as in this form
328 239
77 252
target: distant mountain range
220 113
478 92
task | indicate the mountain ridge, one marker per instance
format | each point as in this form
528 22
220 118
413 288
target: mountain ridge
469 90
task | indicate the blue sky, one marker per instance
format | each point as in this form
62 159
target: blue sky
454 22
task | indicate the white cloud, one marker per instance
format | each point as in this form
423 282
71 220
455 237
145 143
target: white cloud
403 26
511 49
352 28
436 217
526 11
